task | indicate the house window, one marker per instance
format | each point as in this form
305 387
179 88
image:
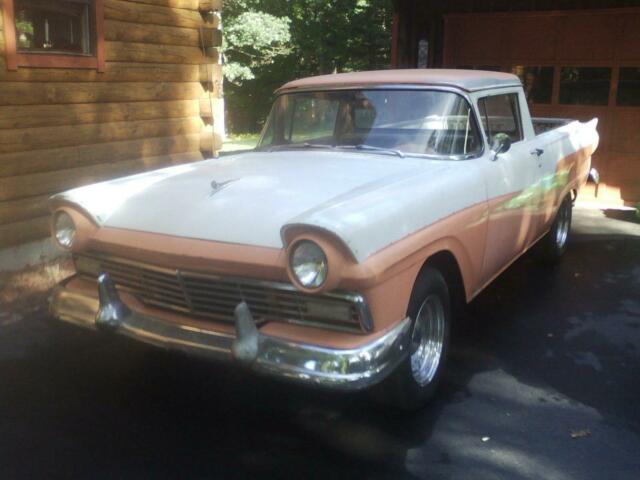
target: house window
629 87
54 33
53 26
536 81
585 85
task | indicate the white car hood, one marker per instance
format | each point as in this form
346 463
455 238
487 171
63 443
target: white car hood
259 193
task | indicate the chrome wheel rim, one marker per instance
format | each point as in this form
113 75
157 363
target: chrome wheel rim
427 340
562 227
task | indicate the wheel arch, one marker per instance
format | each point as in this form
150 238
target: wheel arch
448 265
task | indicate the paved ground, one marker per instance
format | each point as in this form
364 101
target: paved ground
546 352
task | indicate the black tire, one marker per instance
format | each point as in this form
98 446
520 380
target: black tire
410 387
553 245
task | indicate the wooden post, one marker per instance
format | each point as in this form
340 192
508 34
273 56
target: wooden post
211 103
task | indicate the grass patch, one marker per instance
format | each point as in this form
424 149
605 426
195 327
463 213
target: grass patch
244 141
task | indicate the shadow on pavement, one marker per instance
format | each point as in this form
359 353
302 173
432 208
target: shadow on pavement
543 352
624 215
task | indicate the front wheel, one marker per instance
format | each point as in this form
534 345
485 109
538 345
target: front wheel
417 377
554 244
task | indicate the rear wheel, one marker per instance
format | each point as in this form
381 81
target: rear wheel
417 377
554 243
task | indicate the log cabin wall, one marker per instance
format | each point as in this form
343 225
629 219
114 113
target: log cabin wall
157 102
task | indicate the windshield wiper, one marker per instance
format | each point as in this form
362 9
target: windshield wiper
371 148
362 147
274 148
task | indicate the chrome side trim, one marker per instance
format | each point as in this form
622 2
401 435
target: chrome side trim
333 368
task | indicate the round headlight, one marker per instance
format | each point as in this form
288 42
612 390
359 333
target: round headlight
64 229
309 264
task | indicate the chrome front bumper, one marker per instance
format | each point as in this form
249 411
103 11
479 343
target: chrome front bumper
341 369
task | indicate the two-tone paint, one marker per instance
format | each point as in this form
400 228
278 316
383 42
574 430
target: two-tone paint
379 218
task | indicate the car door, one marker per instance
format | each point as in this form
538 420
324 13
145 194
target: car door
510 179
544 192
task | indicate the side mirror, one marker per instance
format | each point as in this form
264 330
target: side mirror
501 144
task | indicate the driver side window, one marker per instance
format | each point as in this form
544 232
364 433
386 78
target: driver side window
501 114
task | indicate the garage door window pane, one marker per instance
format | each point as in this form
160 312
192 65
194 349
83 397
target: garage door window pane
488 68
537 82
53 26
585 85
629 87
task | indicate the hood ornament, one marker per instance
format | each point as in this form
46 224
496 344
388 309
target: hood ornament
219 186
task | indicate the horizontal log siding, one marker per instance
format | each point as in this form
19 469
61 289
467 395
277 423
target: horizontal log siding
145 53
25 163
24 231
45 138
50 182
133 12
114 72
17 210
42 93
117 31
34 228
186 4
25 116
62 128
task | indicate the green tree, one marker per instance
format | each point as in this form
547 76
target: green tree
324 36
251 40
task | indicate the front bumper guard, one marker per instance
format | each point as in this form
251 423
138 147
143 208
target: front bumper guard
340 369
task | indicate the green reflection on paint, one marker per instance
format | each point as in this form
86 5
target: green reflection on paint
535 194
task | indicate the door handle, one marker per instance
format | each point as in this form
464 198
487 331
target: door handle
537 151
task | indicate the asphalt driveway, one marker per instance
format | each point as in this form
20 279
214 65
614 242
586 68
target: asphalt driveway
543 383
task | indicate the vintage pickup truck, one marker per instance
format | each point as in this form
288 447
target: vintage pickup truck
335 252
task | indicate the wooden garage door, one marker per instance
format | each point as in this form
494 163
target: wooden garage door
579 64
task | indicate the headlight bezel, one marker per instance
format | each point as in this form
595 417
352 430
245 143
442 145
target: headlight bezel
320 279
64 235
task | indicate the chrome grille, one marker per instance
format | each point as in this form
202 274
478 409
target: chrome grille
215 297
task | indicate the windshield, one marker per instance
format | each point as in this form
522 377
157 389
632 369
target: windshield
424 122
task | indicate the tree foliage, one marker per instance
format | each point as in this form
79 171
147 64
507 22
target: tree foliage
269 42
252 40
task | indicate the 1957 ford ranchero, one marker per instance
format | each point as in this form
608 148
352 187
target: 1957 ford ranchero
333 253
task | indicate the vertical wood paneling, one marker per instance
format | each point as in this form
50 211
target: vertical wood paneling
594 38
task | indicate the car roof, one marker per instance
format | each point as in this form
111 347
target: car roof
468 80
